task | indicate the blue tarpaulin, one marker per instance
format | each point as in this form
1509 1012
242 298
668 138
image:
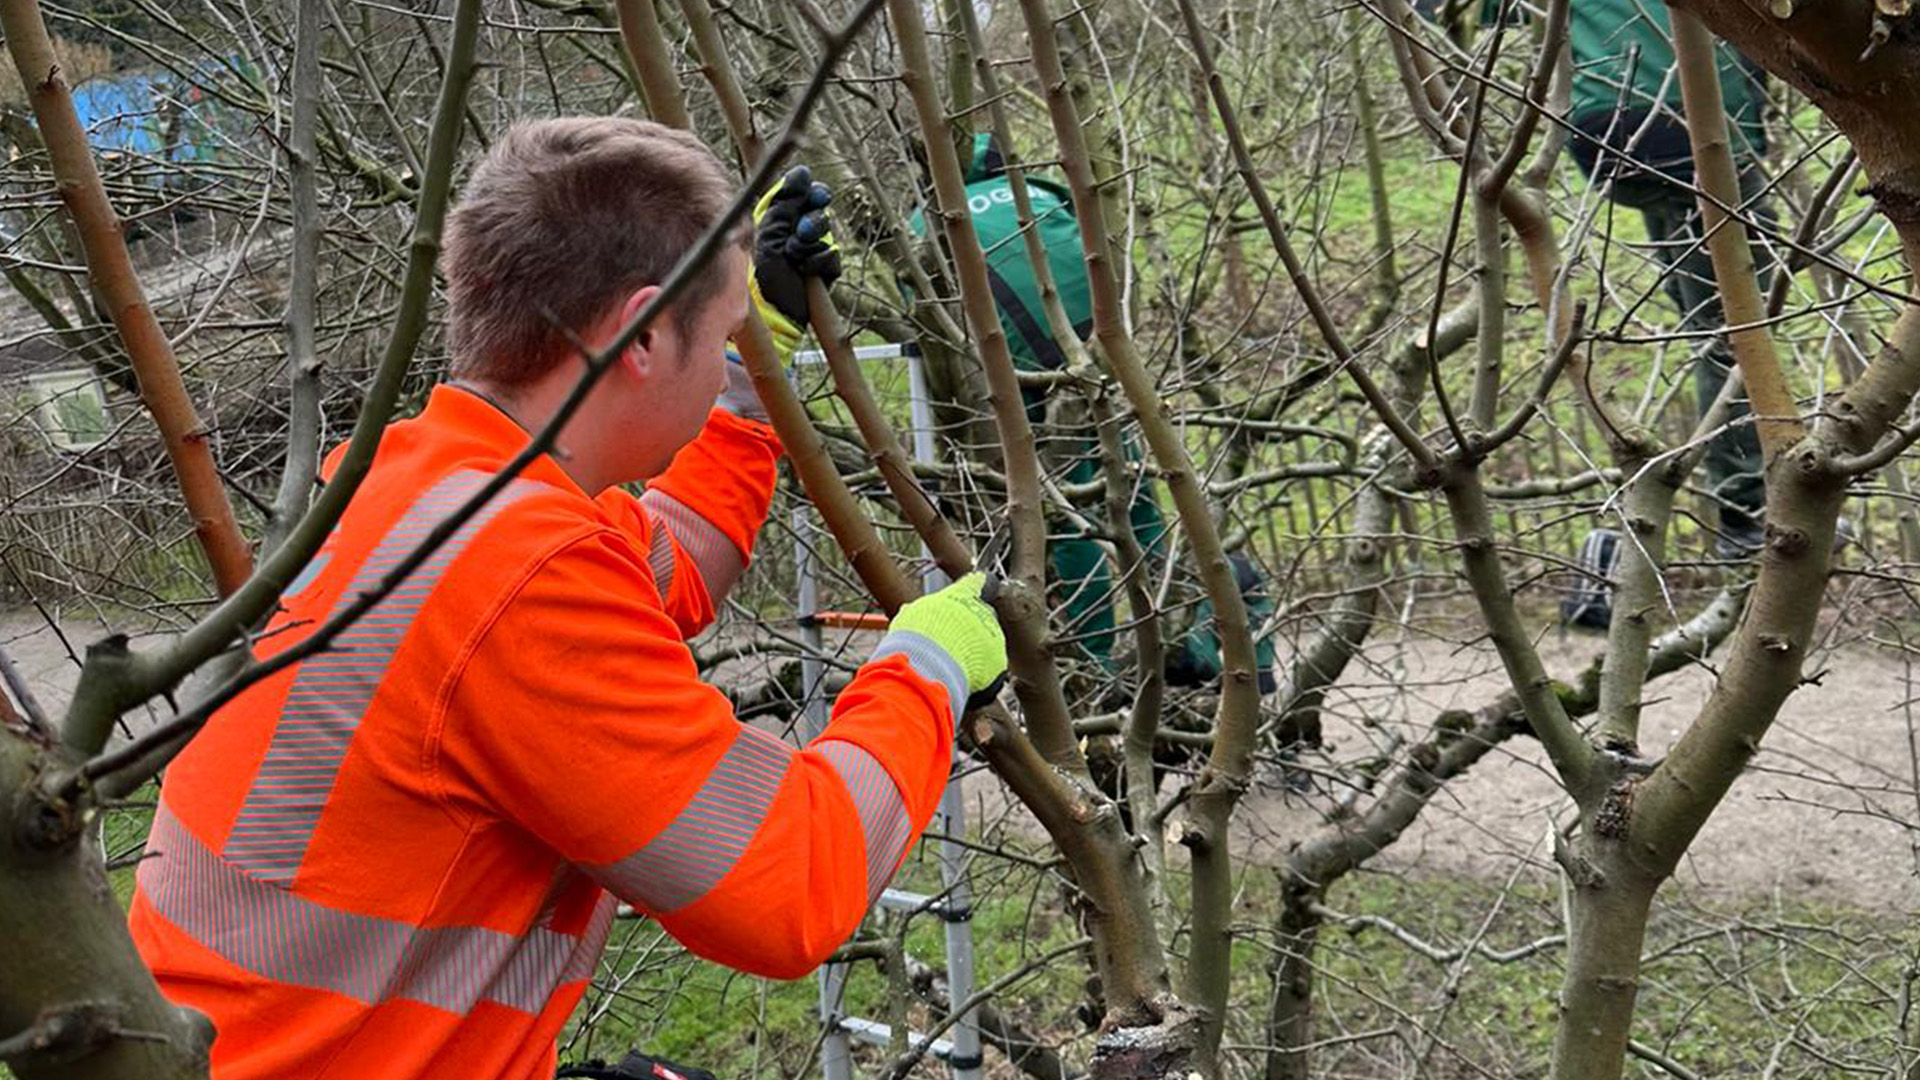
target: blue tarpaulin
158 117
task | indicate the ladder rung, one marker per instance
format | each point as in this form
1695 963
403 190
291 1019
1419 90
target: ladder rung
902 900
878 1034
887 351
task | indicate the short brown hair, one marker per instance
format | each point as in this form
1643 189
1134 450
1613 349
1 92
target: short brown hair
561 220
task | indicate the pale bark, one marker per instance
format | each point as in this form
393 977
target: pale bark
717 67
652 62
1036 680
1777 415
812 464
1228 767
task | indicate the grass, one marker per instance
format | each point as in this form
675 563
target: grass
1724 985
705 1015
124 832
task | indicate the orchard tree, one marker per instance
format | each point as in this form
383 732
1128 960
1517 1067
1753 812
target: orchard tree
1366 395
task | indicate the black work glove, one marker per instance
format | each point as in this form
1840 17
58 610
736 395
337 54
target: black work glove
793 241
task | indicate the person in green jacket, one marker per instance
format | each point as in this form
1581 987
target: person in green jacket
1631 137
1079 563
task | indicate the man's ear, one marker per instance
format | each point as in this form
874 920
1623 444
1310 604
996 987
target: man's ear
643 354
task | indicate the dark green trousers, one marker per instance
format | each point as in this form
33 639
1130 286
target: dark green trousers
1735 473
1081 572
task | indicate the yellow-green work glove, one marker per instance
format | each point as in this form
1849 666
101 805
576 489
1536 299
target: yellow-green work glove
793 241
952 637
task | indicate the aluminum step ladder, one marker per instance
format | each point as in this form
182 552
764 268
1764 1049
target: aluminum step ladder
960 1049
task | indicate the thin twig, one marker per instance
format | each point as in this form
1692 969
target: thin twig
1296 271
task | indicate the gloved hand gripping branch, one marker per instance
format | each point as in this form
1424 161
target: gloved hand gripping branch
961 620
793 241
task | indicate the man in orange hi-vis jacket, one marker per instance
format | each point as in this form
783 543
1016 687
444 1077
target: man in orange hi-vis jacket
399 858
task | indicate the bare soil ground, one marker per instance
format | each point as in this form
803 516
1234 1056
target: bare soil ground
1828 812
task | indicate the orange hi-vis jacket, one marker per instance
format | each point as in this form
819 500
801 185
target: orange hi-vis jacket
400 857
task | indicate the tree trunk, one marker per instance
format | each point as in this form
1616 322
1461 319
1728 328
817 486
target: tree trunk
1163 1050
1290 1024
1606 931
77 1003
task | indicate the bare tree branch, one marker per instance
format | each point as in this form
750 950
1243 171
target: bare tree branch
1777 413
303 358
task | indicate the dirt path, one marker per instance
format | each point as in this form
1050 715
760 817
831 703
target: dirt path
46 654
40 654
1825 813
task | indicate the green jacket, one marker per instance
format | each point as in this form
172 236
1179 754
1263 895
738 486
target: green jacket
1196 659
1602 36
1015 292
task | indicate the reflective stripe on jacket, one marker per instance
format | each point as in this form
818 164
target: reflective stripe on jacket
394 858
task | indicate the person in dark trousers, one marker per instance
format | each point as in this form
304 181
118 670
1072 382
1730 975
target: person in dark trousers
1631 138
